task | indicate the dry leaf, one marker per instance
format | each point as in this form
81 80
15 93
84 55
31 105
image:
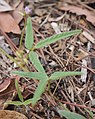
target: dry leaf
8 24
90 15
4 84
16 15
4 7
7 95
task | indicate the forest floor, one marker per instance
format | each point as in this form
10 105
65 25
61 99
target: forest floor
76 53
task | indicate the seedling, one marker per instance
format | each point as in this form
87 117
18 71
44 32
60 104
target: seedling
40 74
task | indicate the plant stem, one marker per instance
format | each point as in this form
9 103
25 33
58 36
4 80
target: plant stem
23 32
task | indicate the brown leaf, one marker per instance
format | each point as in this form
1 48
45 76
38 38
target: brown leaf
8 24
90 15
4 84
7 95
16 15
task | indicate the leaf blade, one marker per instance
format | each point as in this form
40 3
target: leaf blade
55 38
57 75
27 102
29 39
40 89
70 115
36 62
17 103
18 91
35 75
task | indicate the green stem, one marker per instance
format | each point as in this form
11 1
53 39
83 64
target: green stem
23 32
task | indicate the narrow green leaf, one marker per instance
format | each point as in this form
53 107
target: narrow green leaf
17 103
35 75
36 62
57 75
29 39
27 102
40 89
55 38
70 115
18 91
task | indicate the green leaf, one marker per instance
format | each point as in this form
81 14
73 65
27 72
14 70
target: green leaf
57 75
40 89
29 39
17 103
36 62
27 102
35 75
18 91
70 115
55 38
